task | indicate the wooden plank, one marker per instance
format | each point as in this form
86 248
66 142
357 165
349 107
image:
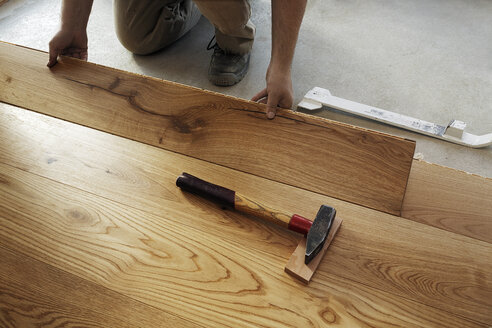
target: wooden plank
331 158
449 199
296 266
196 275
108 166
371 249
34 294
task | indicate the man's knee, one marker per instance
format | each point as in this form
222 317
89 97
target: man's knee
137 41
146 26
231 29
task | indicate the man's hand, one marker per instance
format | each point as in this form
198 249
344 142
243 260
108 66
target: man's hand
286 21
278 92
71 40
68 43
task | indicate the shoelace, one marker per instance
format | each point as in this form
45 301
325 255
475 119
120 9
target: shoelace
212 46
216 47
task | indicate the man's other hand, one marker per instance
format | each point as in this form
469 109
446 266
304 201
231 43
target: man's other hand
71 43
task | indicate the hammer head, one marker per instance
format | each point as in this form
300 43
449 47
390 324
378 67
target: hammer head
319 231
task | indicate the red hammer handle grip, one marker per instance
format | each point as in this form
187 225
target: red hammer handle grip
299 224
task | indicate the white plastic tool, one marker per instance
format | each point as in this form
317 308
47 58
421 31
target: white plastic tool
453 132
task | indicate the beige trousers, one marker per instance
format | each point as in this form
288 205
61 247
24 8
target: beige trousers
146 26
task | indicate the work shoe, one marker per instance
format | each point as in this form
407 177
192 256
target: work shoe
226 69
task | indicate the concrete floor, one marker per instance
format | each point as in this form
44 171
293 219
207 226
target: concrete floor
430 59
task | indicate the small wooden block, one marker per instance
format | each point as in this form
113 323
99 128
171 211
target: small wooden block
296 267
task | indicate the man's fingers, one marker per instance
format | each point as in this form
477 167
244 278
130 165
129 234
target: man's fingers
272 103
70 52
271 111
260 95
285 103
53 56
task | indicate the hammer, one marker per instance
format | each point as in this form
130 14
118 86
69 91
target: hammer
316 231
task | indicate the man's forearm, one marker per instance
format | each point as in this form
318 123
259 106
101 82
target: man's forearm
286 21
75 14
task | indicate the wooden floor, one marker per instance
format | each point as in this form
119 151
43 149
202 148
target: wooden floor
94 233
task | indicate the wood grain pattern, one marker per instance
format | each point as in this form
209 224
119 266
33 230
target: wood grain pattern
180 269
381 270
254 208
34 294
449 199
353 164
296 266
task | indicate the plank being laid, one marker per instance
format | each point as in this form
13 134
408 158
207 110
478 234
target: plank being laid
187 272
449 199
34 294
331 158
375 257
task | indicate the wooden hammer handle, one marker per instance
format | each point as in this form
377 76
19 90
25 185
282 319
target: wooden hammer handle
230 198
249 206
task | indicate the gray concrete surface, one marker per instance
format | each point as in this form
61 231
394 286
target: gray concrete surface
427 59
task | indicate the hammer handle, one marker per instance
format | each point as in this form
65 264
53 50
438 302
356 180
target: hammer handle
249 206
230 198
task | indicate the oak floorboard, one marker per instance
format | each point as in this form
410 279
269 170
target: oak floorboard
449 199
186 271
335 159
35 294
389 254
